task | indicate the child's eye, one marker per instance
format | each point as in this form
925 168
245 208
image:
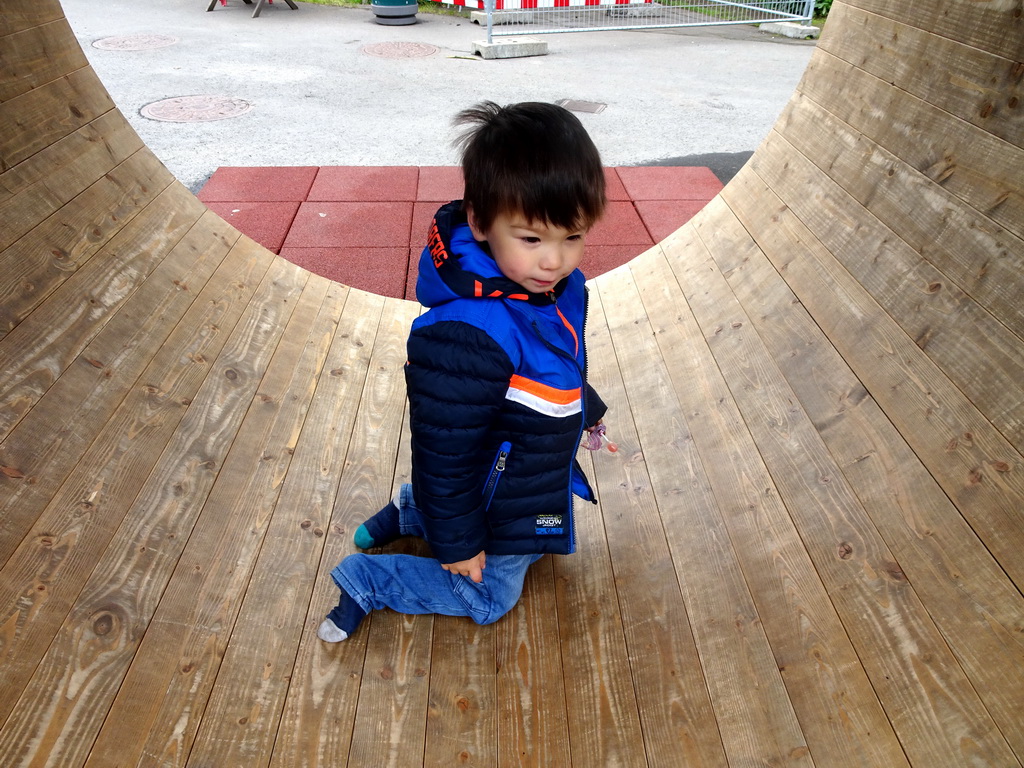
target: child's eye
575 237
529 239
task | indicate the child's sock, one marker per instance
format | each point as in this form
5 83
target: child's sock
342 621
380 529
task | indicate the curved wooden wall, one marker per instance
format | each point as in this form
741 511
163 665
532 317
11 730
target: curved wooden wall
808 550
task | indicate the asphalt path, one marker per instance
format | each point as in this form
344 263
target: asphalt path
315 95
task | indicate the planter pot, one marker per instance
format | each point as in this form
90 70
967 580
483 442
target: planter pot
394 12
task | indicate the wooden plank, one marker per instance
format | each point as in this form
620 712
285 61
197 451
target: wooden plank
200 586
837 709
48 341
40 583
37 187
396 652
968 595
24 15
391 717
603 714
240 722
239 728
991 25
969 249
968 83
38 55
533 727
47 445
325 681
39 262
931 704
971 164
675 710
755 716
977 352
462 712
49 113
78 677
973 463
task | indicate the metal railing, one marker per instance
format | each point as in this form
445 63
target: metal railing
536 17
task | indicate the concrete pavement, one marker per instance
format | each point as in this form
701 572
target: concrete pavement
319 99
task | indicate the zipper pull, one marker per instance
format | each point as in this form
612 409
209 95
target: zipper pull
500 466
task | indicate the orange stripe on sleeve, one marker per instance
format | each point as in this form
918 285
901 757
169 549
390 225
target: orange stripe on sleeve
545 392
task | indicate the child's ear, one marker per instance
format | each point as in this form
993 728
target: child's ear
478 234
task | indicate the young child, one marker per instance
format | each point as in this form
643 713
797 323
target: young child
496 377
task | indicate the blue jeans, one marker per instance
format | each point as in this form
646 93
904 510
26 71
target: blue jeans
410 584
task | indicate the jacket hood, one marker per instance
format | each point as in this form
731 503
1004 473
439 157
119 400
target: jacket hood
454 265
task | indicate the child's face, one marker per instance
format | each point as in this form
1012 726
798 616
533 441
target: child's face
534 254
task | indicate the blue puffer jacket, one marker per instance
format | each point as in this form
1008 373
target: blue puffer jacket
498 402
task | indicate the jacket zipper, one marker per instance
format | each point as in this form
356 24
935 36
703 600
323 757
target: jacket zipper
583 402
496 469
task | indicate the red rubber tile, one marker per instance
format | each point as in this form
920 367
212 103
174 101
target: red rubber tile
378 270
422 217
260 185
360 225
440 183
266 223
669 182
663 217
414 271
598 259
621 225
357 183
614 189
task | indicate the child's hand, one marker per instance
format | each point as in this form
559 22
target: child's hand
596 437
473 568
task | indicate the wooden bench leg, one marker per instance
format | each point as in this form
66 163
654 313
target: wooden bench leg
292 5
212 3
259 7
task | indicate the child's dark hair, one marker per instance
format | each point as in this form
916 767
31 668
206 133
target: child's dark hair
530 158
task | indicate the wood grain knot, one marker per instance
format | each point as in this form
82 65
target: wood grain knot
1000 466
975 476
103 623
462 703
934 287
894 572
845 550
387 673
231 374
987 110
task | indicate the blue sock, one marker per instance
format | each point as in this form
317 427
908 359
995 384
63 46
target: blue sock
342 621
380 529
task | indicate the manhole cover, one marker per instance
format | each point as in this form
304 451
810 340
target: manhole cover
135 42
195 109
574 105
400 50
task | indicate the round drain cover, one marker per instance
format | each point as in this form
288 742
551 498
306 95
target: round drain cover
400 50
135 42
195 109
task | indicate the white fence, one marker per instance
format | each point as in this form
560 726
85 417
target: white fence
533 17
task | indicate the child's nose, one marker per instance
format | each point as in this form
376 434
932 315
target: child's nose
552 258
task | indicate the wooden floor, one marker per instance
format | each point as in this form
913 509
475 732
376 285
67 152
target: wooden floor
809 546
